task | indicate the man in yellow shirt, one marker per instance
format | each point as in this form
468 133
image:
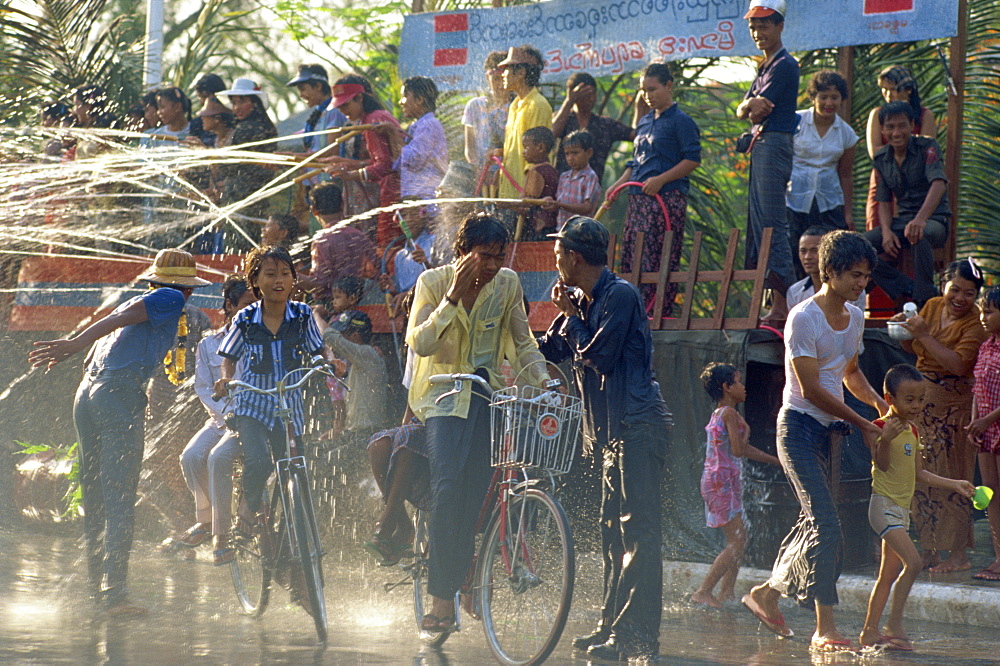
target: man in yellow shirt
521 71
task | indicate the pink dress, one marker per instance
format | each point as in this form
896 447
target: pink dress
987 391
720 482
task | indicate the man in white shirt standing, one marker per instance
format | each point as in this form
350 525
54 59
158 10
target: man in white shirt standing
821 358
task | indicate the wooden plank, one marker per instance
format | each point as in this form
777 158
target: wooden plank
692 280
633 277
727 279
956 117
758 286
661 279
612 248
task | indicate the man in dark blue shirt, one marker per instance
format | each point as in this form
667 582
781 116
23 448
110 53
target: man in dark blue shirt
604 330
770 106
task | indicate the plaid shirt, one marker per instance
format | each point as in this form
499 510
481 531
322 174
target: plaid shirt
268 357
987 388
576 187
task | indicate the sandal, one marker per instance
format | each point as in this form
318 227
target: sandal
385 550
195 535
433 624
223 556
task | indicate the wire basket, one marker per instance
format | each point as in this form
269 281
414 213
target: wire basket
535 428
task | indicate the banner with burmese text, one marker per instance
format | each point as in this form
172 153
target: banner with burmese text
605 37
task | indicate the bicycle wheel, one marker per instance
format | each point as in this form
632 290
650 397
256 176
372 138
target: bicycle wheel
418 569
310 551
525 578
250 570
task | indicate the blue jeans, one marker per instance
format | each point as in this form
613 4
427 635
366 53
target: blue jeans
261 447
770 169
811 556
108 414
631 537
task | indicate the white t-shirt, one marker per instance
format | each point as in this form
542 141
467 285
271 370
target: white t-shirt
808 333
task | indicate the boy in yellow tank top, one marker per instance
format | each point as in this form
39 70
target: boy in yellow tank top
896 466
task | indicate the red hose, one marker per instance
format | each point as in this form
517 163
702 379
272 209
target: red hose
614 195
773 330
482 177
506 173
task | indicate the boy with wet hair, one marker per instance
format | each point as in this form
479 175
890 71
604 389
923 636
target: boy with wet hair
896 466
281 229
579 188
809 243
540 182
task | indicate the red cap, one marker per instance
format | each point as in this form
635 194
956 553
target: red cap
762 8
345 92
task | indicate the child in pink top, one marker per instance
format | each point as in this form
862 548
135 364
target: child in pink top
728 441
984 430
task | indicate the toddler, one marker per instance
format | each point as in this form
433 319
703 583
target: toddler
728 440
541 182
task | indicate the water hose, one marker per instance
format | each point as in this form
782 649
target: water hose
509 177
614 195
765 327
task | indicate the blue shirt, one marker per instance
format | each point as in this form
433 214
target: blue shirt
424 159
612 353
268 357
141 346
407 270
660 145
778 81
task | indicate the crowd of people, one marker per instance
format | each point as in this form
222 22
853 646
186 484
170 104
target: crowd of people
465 312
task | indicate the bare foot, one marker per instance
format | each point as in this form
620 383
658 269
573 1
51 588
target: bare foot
727 596
952 564
930 558
706 599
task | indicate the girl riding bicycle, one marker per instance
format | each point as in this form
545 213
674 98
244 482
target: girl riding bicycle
467 317
270 337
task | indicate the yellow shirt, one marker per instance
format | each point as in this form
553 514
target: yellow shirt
898 481
446 338
532 111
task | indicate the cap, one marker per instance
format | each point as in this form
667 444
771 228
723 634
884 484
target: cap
345 92
581 232
352 321
517 56
247 87
174 268
762 8
213 107
309 73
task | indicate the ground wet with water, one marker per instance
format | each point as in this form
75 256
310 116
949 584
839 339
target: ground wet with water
45 617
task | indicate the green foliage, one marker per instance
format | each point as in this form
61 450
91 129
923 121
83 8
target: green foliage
74 493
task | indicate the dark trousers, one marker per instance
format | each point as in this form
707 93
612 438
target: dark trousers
770 169
810 558
631 536
459 456
108 414
896 284
261 447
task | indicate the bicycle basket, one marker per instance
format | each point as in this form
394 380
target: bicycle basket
534 428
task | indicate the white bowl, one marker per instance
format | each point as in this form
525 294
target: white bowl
897 331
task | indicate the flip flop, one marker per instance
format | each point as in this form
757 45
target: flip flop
987 574
387 552
897 643
831 645
195 535
776 624
437 625
223 556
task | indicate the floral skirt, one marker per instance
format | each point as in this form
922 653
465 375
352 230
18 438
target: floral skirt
644 214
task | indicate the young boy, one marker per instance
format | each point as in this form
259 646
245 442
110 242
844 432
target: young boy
541 182
272 337
579 189
414 257
896 467
281 229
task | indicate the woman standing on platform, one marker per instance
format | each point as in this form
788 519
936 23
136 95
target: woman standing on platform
946 338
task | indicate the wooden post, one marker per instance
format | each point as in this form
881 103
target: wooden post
956 113
845 67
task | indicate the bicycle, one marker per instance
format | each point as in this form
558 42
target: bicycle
520 583
285 531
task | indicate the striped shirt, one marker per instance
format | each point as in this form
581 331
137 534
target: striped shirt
267 358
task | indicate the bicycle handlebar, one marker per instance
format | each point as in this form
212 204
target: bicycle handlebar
459 377
319 365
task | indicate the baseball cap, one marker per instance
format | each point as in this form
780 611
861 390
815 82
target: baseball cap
762 8
352 321
581 233
309 74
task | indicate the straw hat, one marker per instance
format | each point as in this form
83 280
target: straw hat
247 87
213 107
174 268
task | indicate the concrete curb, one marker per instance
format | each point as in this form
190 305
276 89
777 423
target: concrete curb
934 602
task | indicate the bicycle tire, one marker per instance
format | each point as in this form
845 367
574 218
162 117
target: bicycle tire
310 550
418 570
524 608
250 570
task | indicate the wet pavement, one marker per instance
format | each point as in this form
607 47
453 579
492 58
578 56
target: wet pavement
46 618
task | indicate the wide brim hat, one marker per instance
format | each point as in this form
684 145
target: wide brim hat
762 8
213 107
345 92
308 75
174 268
247 87
517 56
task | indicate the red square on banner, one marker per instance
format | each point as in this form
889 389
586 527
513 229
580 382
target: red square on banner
451 23
447 57
887 6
